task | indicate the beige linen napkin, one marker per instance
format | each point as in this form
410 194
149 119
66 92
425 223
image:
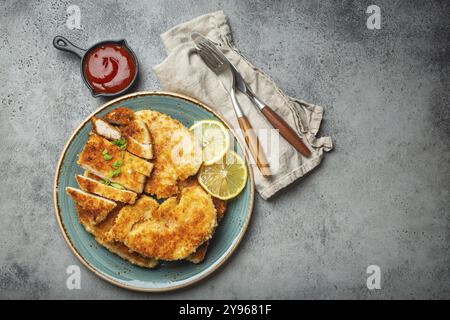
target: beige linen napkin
184 72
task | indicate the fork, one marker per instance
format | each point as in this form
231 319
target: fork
214 63
216 60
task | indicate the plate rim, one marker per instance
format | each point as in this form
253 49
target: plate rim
194 279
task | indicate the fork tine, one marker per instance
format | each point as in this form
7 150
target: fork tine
210 45
211 63
210 52
210 58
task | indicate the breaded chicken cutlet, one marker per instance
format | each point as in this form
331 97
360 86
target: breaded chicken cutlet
177 155
97 207
135 133
120 116
132 172
170 231
94 186
104 129
100 232
199 254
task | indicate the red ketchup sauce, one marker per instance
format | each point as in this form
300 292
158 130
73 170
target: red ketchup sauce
109 68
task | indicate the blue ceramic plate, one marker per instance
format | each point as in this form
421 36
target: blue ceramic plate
167 276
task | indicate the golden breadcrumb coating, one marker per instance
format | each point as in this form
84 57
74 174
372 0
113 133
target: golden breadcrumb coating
97 207
170 231
133 170
94 186
100 232
176 153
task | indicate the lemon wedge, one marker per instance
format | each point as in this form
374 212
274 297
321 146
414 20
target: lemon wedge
224 179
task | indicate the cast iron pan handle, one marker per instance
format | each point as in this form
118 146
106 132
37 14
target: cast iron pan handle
62 43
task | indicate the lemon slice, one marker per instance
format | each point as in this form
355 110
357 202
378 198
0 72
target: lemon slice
213 138
224 179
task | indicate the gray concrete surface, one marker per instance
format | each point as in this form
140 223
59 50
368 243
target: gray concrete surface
381 197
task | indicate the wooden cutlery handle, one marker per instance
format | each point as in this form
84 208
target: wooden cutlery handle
286 131
253 144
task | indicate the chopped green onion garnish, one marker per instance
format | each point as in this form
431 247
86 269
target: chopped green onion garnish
114 173
106 155
117 186
106 181
121 143
117 164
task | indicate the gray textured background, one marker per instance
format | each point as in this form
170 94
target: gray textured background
381 197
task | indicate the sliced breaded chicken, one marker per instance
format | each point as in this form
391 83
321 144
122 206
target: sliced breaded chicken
199 254
129 171
120 116
130 215
177 228
93 176
97 207
139 149
145 168
137 129
135 163
90 175
104 129
100 231
101 189
177 155
135 133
